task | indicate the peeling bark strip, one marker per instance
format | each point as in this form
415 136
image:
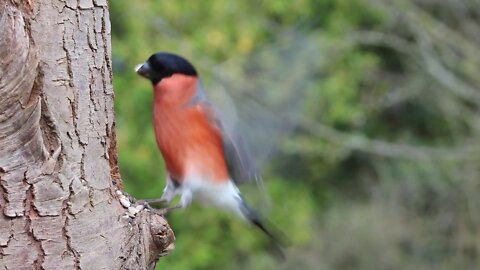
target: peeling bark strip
58 163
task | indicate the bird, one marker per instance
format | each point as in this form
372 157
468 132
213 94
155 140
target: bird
204 158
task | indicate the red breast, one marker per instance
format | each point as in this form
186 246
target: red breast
184 133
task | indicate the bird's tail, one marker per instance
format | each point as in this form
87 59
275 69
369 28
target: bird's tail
277 240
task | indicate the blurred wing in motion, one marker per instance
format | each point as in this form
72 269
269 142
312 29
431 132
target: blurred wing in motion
240 162
260 97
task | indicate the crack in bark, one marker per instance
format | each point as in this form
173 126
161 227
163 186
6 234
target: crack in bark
91 83
67 212
113 158
31 213
68 58
69 5
92 46
3 188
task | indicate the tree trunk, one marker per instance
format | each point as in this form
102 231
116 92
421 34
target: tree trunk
58 162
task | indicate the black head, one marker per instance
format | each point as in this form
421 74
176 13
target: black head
162 65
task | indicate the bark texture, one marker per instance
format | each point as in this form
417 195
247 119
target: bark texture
58 164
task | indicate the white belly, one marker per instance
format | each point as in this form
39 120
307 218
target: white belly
220 194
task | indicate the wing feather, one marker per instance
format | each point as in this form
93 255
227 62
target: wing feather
240 162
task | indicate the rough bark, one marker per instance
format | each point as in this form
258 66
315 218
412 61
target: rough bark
59 203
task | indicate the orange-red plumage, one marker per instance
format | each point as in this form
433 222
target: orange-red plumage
184 133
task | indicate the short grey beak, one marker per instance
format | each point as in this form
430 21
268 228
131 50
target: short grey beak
143 70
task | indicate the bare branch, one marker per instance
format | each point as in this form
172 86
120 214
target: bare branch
382 148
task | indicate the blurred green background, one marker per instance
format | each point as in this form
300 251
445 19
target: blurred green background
382 171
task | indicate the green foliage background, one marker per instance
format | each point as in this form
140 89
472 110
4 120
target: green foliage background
382 172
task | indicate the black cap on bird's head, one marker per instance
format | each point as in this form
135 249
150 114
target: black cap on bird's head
162 65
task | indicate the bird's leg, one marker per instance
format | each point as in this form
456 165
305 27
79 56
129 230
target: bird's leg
168 192
185 200
167 196
155 201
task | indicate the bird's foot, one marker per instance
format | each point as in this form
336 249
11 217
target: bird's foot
164 211
151 203
155 201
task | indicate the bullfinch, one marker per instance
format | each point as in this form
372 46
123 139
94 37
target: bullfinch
204 159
